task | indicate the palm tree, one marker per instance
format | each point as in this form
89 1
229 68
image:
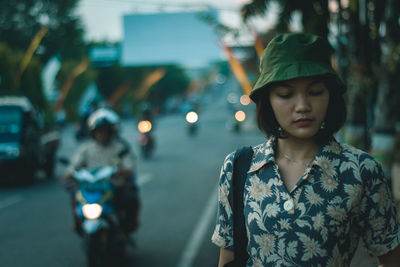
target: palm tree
384 128
356 49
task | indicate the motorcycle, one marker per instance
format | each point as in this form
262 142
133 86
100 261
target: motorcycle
191 119
104 239
146 139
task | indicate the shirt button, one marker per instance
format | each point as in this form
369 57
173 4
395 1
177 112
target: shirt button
288 205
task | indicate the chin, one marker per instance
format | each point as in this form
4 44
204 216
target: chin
304 134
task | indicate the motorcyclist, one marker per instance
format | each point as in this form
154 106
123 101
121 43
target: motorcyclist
106 147
146 138
147 114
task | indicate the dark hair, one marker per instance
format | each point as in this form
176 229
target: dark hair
335 115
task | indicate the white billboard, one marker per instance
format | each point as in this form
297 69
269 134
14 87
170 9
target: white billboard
169 38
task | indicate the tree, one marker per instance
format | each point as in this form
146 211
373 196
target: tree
110 79
173 83
19 23
21 20
80 83
30 81
8 67
388 95
315 14
357 57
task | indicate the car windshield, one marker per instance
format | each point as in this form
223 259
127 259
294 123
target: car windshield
10 124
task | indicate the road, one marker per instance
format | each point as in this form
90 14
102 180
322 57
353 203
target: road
178 191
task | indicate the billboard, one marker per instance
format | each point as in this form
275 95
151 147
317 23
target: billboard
169 38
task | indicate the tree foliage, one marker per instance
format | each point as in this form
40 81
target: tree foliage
19 23
175 81
315 15
30 80
21 20
80 83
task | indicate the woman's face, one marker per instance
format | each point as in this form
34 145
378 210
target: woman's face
300 106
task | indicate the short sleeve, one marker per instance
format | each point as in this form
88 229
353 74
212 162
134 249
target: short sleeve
223 233
382 230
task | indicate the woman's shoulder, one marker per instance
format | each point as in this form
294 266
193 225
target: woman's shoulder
231 156
364 160
349 150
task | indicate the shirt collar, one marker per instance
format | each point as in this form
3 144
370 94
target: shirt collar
265 154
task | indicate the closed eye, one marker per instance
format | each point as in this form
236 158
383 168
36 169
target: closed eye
285 96
284 93
316 93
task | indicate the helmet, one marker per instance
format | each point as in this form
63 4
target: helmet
103 117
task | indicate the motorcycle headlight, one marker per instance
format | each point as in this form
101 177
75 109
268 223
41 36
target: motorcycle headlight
92 211
192 117
144 126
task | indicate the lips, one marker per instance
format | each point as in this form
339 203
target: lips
303 122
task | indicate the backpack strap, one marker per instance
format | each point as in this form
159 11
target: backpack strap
241 166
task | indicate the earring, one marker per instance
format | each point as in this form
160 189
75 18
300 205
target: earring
322 125
281 132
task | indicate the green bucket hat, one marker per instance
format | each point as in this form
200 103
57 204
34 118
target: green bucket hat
294 55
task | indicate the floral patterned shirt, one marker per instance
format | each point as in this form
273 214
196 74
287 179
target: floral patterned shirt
342 197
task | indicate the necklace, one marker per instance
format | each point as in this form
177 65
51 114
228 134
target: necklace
296 161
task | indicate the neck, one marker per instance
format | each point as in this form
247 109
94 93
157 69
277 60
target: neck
299 150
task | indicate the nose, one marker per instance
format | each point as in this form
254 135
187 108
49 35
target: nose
302 104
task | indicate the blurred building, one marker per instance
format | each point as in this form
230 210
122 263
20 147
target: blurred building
104 56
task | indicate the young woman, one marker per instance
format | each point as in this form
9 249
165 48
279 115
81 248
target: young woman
307 198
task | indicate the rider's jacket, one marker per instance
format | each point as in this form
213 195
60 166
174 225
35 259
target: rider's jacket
91 154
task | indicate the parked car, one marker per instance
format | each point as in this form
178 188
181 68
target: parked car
24 145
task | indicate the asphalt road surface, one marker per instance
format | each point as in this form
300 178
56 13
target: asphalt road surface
178 192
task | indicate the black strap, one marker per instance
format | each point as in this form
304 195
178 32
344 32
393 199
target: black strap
241 166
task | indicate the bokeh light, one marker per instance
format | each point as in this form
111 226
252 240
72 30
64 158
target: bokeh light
144 126
245 100
192 117
240 115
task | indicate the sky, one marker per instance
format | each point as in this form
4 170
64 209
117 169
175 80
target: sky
102 19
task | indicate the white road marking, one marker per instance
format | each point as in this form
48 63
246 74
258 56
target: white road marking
144 178
10 201
195 240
